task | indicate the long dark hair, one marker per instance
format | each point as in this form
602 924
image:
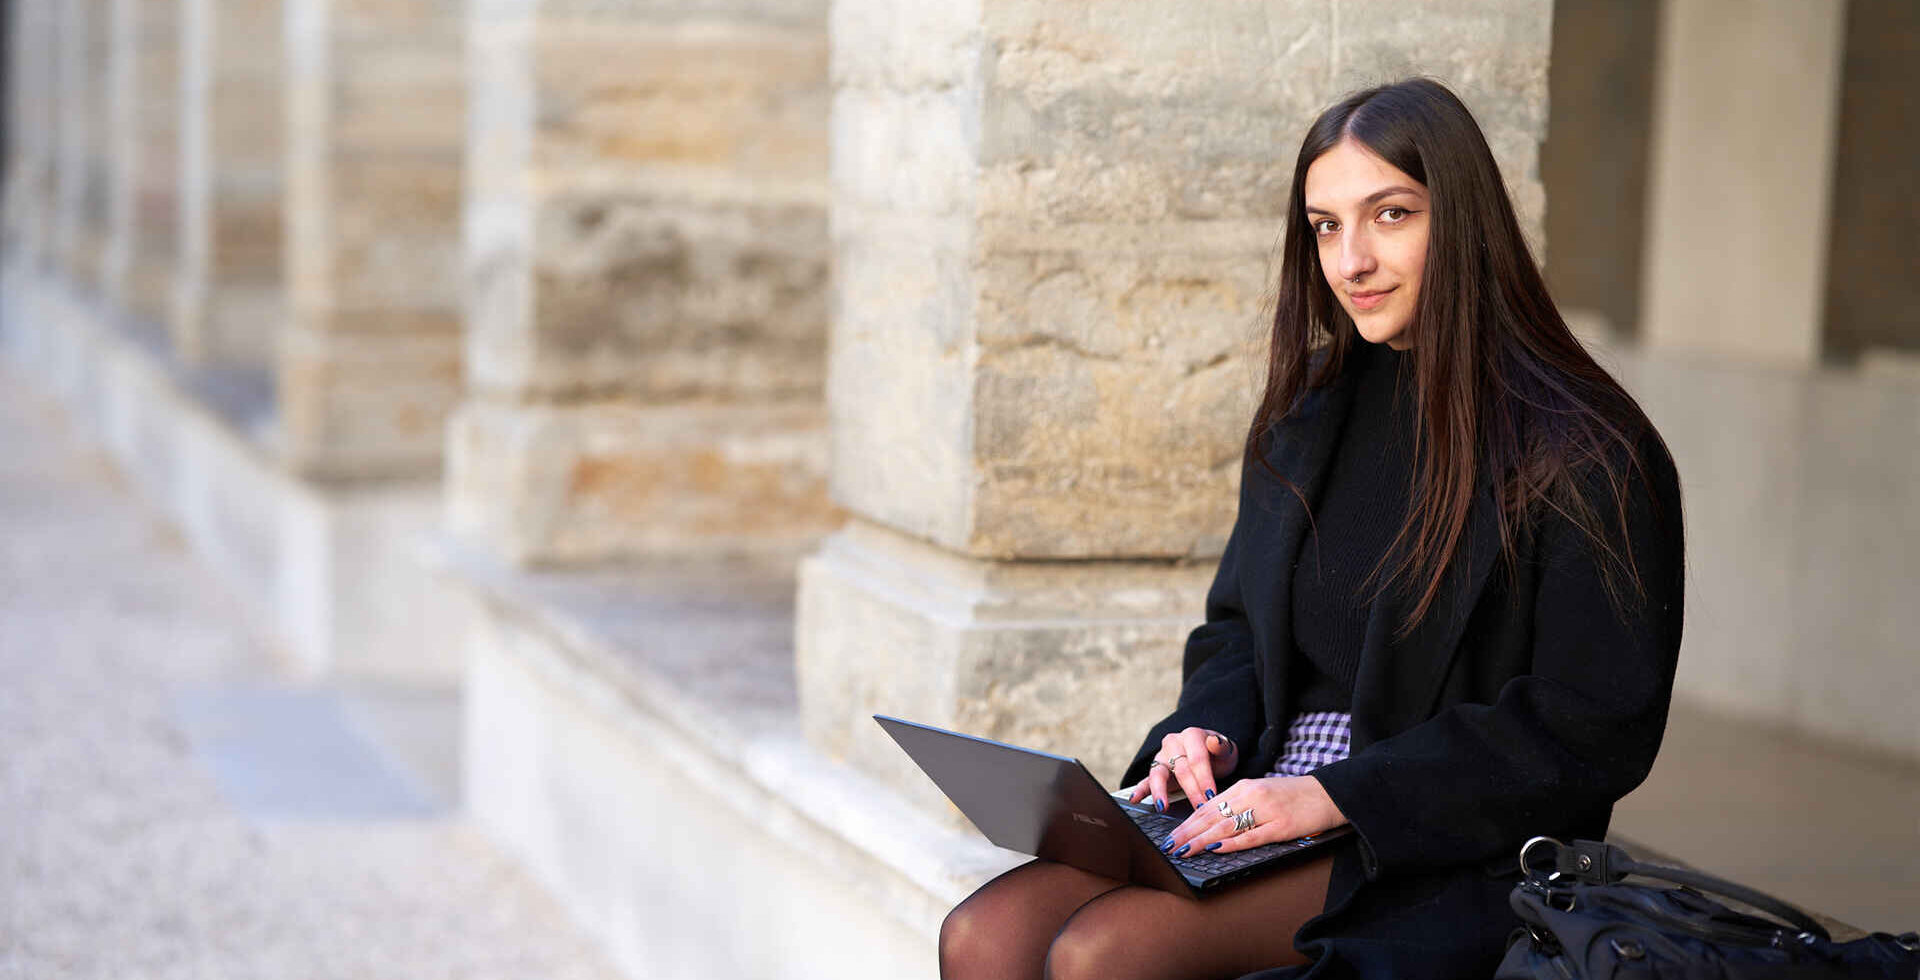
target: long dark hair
1505 392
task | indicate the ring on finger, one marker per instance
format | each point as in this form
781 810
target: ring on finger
1243 821
1157 762
1226 810
1175 760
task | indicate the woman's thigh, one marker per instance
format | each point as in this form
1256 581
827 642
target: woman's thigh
1136 932
1003 929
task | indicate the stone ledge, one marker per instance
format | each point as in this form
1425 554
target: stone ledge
611 690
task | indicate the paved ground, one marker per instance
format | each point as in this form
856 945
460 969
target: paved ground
171 805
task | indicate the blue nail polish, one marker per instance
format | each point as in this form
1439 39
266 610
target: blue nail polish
1183 850
1160 804
1215 845
1209 794
1167 844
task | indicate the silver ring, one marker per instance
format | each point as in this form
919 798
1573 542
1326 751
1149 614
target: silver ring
1157 762
1226 810
1243 822
1175 760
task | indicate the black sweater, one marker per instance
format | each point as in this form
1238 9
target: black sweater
1354 522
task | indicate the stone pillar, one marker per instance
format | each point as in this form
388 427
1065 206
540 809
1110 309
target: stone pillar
646 251
226 299
1745 111
81 169
369 365
1052 234
143 231
33 34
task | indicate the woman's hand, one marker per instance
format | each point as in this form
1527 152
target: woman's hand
1283 808
1180 756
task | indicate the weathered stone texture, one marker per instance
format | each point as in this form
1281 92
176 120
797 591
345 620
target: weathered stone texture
558 484
1075 225
377 93
1072 657
646 256
227 303
648 208
146 165
367 403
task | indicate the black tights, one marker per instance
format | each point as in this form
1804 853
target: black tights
1047 921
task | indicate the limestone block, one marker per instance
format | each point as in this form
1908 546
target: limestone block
372 364
663 298
1077 658
368 403
226 299
646 212
1078 225
153 160
558 484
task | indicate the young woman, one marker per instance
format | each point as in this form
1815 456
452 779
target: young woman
1448 613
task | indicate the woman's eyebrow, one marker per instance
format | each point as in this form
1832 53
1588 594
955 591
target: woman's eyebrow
1369 199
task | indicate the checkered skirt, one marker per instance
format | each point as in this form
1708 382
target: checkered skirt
1314 739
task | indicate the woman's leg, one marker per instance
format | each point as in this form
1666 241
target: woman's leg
1002 930
1136 933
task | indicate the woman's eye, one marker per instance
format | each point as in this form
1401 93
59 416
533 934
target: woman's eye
1401 211
1320 227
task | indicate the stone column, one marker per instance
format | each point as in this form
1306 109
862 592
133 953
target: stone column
33 34
370 363
226 299
143 232
1746 104
646 252
1053 225
81 169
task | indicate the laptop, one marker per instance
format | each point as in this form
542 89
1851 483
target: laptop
1051 807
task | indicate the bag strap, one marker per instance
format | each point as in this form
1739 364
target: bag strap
1597 862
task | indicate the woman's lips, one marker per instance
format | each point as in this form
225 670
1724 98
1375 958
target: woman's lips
1367 301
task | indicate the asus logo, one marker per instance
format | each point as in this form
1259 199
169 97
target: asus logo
1083 818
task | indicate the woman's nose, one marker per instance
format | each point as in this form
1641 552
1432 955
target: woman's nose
1355 260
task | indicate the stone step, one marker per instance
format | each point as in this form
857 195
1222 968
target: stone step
633 735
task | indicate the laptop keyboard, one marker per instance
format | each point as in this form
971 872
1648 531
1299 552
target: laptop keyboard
1206 863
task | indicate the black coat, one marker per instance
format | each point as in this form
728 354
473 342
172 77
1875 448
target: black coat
1525 703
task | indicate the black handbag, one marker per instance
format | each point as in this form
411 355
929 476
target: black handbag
1581 920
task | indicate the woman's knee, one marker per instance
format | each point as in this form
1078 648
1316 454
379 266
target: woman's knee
1091 946
963 937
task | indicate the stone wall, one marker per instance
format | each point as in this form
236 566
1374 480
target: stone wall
144 193
646 256
369 364
227 302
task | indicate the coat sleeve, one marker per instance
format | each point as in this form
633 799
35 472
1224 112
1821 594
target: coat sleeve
1217 688
1566 739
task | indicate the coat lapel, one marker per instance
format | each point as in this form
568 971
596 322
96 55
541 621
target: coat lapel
1301 451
